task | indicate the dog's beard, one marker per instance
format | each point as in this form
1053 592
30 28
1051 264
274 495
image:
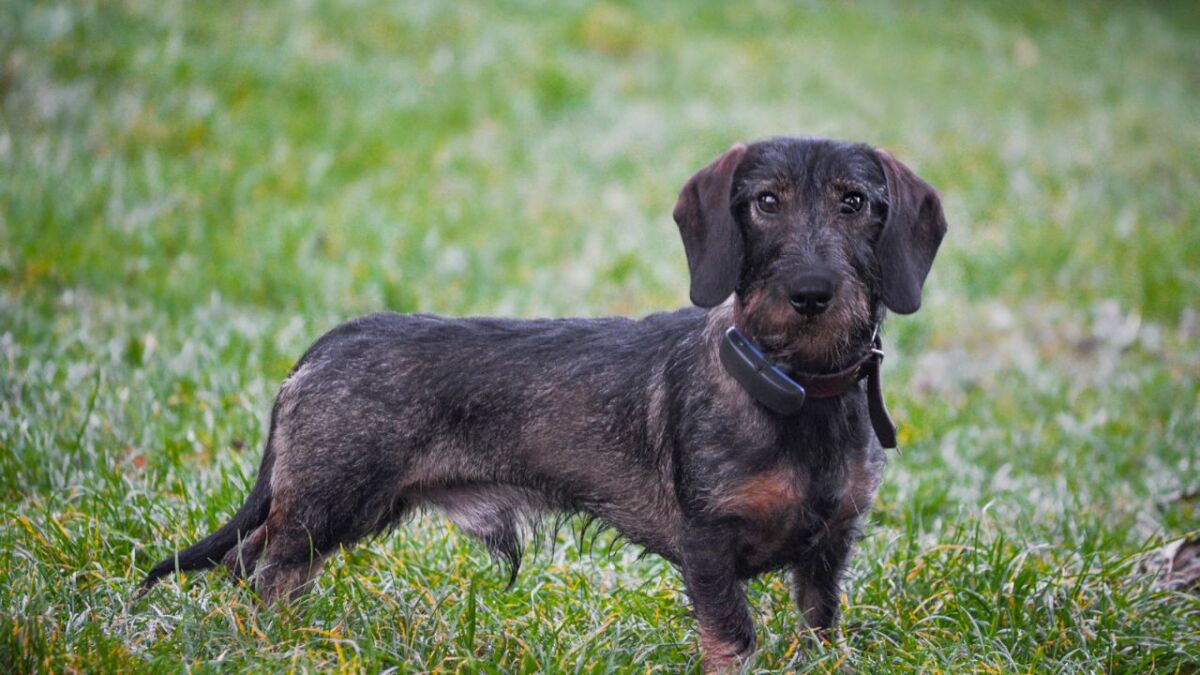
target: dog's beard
826 342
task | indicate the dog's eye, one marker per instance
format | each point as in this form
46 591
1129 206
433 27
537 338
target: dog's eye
853 202
768 203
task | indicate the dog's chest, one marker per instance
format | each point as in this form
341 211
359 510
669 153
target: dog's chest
785 511
763 497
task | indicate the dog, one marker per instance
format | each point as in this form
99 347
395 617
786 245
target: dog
740 436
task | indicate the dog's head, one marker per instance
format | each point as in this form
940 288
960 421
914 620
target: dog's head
815 237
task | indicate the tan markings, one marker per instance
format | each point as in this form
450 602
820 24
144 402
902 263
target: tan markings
768 319
242 558
761 496
720 655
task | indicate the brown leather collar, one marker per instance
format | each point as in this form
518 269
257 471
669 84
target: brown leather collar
836 384
832 385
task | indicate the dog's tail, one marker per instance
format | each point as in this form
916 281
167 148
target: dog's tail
208 551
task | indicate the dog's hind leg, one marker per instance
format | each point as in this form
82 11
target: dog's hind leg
308 522
291 560
242 559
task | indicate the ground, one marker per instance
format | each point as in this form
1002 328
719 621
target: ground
191 192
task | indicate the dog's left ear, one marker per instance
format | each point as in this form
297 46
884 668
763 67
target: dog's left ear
911 235
712 239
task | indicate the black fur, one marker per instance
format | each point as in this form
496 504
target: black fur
209 550
633 423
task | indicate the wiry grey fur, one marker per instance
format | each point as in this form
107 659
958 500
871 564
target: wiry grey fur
633 422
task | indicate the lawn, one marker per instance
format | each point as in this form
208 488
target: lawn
191 192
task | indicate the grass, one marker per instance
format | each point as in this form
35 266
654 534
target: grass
191 192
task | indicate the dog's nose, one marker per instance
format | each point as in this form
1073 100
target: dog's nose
811 294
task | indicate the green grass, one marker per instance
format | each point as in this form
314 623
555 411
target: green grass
191 192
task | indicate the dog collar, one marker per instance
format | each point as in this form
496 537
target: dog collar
785 394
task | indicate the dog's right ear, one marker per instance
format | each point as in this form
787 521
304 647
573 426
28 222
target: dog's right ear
711 237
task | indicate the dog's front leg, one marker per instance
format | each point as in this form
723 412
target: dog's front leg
726 630
816 582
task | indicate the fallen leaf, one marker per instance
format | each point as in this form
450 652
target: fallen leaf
1176 565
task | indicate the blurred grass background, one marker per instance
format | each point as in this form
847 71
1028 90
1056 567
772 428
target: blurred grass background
191 192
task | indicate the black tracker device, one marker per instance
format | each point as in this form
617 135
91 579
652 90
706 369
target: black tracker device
762 379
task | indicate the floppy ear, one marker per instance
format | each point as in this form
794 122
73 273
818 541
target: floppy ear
711 237
911 235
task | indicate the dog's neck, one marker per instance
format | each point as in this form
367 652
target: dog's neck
784 390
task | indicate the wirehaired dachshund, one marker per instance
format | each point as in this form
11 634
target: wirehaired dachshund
740 436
